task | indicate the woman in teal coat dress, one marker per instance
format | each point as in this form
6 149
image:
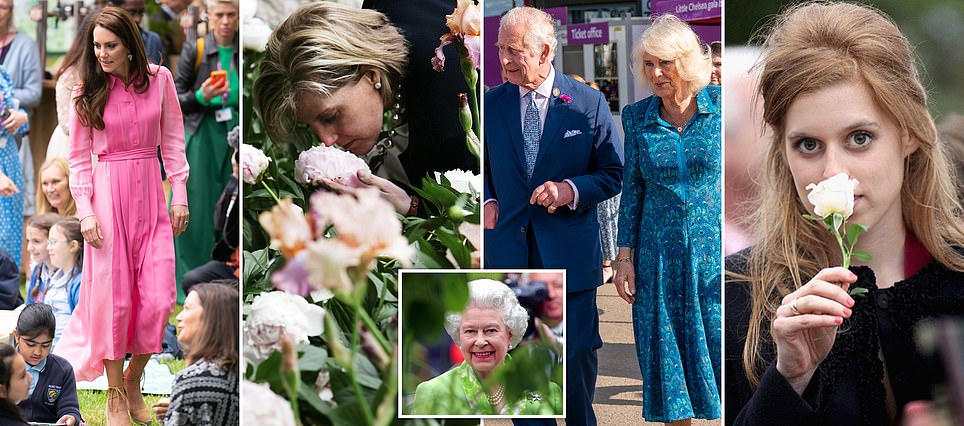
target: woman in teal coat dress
491 324
668 261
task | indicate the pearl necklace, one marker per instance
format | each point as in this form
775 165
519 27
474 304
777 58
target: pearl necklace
497 399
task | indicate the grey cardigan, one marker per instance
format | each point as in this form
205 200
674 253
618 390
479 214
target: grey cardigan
187 81
23 64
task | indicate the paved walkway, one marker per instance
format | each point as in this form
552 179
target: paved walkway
619 385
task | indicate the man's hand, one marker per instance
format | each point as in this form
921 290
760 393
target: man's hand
490 214
67 420
552 195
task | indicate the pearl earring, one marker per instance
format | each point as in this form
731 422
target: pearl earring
378 85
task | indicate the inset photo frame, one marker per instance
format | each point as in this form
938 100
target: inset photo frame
486 343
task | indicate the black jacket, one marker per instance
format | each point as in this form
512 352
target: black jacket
847 388
188 81
55 395
436 139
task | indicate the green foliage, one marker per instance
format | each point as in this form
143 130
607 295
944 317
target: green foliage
363 391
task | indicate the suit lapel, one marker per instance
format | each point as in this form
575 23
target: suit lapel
558 111
511 113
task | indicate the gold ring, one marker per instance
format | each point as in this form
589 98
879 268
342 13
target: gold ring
794 308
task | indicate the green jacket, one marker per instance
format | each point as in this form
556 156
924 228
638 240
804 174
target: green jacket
459 392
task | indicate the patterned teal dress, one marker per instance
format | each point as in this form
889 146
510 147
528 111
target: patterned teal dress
671 214
11 208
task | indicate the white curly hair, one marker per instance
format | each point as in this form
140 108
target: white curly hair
495 295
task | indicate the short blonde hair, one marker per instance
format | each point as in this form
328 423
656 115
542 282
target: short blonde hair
209 4
319 49
671 39
541 28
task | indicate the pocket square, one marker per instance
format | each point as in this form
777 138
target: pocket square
571 133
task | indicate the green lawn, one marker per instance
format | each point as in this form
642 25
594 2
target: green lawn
92 403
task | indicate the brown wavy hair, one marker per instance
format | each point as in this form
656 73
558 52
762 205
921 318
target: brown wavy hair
217 338
92 98
810 47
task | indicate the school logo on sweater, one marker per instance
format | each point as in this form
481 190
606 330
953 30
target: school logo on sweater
53 392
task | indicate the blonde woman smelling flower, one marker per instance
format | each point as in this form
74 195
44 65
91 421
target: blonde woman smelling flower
842 95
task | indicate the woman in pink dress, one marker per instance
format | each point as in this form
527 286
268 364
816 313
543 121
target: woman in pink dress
123 109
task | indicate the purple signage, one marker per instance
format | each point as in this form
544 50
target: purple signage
559 14
491 68
595 33
689 10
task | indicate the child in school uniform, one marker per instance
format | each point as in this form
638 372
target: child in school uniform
53 390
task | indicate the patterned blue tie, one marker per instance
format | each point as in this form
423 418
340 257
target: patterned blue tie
531 133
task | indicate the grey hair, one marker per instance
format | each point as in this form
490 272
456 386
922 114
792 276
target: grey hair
209 4
669 38
492 294
541 28
319 49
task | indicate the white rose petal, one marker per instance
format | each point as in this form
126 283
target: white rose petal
256 34
253 163
462 181
833 195
268 409
275 314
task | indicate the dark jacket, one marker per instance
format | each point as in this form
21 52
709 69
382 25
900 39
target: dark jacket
847 388
188 81
436 138
226 222
9 282
55 395
154 48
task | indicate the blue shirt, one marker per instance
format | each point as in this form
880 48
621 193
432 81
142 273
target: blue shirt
35 371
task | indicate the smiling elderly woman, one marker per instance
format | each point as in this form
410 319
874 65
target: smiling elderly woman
491 325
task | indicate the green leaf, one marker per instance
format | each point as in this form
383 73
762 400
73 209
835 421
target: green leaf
312 358
861 255
307 394
838 220
853 232
858 291
455 294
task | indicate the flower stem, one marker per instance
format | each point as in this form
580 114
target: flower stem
276 200
369 419
377 332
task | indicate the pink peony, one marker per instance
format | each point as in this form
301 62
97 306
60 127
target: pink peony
253 163
322 163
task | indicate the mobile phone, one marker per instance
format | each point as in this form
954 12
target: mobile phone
219 78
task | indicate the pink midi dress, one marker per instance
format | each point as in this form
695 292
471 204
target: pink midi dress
128 288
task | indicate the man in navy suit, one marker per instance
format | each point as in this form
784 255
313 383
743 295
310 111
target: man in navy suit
550 158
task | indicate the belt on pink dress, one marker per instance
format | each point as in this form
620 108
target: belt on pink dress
133 154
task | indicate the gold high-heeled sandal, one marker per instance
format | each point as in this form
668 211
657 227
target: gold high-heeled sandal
143 415
115 395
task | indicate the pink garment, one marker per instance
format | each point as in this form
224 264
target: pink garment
128 289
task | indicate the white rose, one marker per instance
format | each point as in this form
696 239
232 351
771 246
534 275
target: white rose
256 34
323 163
833 195
275 314
253 163
265 407
461 180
